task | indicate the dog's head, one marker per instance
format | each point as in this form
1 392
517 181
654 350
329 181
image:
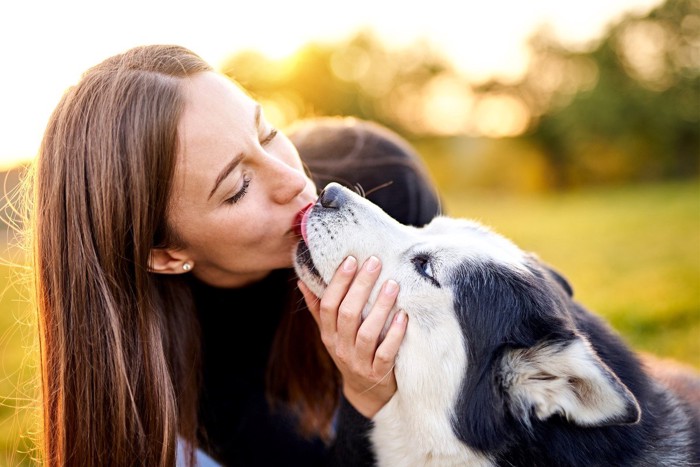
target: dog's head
491 330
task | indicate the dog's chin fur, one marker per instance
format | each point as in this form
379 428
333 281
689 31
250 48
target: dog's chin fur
306 269
499 365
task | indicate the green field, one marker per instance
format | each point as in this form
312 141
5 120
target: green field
632 255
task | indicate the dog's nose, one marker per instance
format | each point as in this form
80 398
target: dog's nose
332 196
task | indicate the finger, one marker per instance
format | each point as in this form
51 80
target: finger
313 303
371 327
334 294
386 353
350 310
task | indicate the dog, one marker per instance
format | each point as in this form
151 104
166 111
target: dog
499 365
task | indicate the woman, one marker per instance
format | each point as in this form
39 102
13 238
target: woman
165 215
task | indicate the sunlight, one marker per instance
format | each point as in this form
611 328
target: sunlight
350 64
643 45
500 115
447 107
488 41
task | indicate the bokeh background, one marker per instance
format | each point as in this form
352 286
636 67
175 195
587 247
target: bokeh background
575 133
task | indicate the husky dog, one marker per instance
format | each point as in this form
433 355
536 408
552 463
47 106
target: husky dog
499 365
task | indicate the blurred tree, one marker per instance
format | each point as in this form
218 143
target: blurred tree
358 77
627 110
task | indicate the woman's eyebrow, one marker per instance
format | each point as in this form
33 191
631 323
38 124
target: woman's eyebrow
224 173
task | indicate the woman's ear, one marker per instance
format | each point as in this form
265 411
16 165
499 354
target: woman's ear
167 261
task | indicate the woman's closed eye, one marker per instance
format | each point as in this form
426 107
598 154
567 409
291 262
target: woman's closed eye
240 193
246 179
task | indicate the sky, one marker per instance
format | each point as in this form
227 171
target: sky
46 45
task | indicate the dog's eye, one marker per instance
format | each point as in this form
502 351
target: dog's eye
424 267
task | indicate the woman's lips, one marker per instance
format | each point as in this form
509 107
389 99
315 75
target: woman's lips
304 221
300 221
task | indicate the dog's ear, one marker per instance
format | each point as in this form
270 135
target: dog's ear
569 379
554 274
560 279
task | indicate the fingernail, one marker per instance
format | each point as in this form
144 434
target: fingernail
349 264
372 263
390 287
400 317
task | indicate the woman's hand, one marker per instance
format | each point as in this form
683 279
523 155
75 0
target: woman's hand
366 364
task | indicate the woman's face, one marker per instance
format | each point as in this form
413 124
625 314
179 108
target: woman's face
238 186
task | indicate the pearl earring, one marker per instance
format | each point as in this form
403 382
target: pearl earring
187 266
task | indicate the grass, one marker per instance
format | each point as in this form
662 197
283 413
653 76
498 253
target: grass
632 255
18 365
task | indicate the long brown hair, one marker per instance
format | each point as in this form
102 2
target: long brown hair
118 351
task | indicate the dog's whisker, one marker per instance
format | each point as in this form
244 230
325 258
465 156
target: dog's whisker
359 190
379 187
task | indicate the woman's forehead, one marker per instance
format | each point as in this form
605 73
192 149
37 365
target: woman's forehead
214 105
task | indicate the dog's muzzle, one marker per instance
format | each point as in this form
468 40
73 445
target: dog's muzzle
331 197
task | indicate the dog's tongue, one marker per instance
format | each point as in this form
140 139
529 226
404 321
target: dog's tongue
303 217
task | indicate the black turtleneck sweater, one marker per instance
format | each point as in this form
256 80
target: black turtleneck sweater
238 428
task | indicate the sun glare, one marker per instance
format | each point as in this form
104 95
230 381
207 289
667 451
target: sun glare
447 107
489 40
500 115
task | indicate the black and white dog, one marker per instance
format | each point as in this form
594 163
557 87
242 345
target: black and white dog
499 365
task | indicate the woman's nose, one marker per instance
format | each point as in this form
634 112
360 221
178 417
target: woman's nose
285 182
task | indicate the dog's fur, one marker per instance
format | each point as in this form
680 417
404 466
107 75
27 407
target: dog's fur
499 365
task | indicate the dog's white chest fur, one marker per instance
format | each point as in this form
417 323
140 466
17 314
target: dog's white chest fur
414 428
